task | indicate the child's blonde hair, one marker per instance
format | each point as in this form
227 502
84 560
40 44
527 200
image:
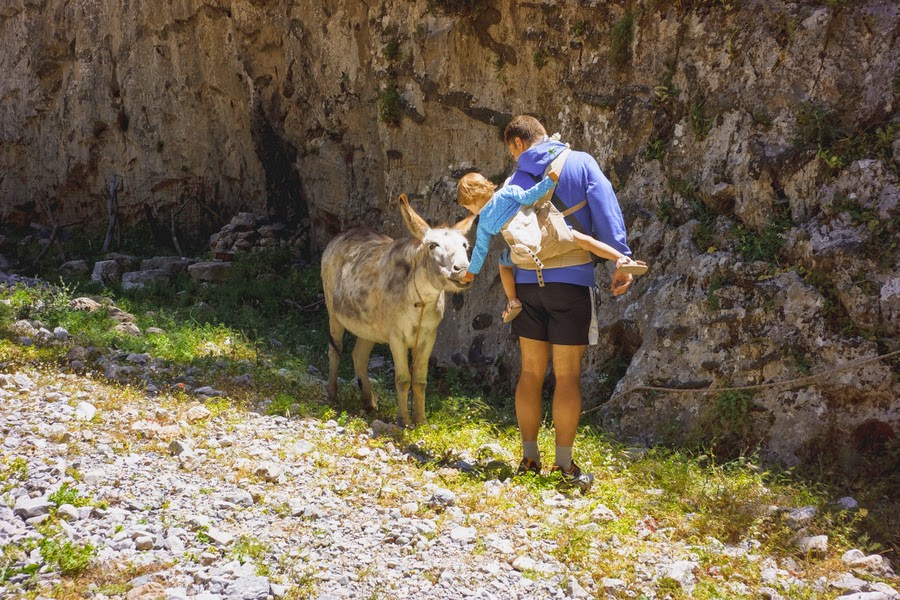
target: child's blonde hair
472 187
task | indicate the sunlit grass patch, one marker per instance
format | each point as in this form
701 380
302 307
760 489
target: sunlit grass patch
456 423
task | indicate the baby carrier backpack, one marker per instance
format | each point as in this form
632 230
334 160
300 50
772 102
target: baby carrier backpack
539 236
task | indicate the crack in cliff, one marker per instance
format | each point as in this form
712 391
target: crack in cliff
464 102
482 24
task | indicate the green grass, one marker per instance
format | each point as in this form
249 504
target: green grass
700 121
656 149
821 127
259 323
766 244
704 236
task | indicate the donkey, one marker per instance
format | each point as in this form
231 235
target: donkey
392 291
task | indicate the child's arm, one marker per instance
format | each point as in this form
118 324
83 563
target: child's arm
479 252
533 194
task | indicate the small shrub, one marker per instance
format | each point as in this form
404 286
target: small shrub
389 106
540 58
391 50
71 559
817 125
621 37
712 299
665 92
704 236
763 245
666 212
700 122
762 117
733 406
801 361
68 495
656 150
248 548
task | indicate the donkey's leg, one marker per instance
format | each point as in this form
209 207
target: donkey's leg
335 348
421 354
361 352
400 352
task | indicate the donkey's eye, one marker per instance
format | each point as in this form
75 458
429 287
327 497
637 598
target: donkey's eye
432 245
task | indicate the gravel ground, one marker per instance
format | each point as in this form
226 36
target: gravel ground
181 498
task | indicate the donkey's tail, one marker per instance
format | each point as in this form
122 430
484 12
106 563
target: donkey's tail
334 345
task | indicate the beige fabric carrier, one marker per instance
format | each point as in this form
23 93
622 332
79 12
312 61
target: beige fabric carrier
539 237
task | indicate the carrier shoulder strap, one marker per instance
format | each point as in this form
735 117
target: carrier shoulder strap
565 211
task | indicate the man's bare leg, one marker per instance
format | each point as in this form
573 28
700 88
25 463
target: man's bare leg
535 357
567 395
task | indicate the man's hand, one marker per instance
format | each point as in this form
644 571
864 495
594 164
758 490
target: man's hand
467 277
621 281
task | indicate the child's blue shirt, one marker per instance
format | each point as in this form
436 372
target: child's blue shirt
498 211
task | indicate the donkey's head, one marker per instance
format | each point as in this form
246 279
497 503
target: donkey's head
446 247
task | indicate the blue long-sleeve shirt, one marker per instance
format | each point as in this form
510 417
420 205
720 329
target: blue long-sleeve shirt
580 179
498 210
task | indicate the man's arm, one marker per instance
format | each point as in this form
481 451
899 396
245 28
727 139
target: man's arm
606 215
608 223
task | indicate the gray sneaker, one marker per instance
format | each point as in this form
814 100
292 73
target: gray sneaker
574 478
528 466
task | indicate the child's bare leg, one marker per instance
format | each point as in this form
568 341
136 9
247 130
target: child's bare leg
508 281
595 246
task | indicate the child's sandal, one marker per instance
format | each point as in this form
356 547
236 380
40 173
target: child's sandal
512 311
631 266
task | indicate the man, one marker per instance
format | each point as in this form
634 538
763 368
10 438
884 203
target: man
556 318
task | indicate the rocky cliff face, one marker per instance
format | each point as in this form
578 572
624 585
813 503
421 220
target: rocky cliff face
753 145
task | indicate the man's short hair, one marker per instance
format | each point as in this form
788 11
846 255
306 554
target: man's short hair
526 128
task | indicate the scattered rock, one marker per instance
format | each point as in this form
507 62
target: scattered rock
813 544
210 271
148 591
85 411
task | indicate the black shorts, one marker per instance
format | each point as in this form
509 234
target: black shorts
559 313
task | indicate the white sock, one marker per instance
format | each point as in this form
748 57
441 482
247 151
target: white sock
531 451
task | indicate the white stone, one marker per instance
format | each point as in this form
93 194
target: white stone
463 534
85 411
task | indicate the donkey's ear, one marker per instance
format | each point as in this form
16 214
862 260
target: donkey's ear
465 225
416 224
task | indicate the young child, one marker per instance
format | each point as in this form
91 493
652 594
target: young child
496 207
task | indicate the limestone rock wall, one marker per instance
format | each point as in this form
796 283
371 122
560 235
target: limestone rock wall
753 145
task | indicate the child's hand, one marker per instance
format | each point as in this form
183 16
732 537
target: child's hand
553 175
467 277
